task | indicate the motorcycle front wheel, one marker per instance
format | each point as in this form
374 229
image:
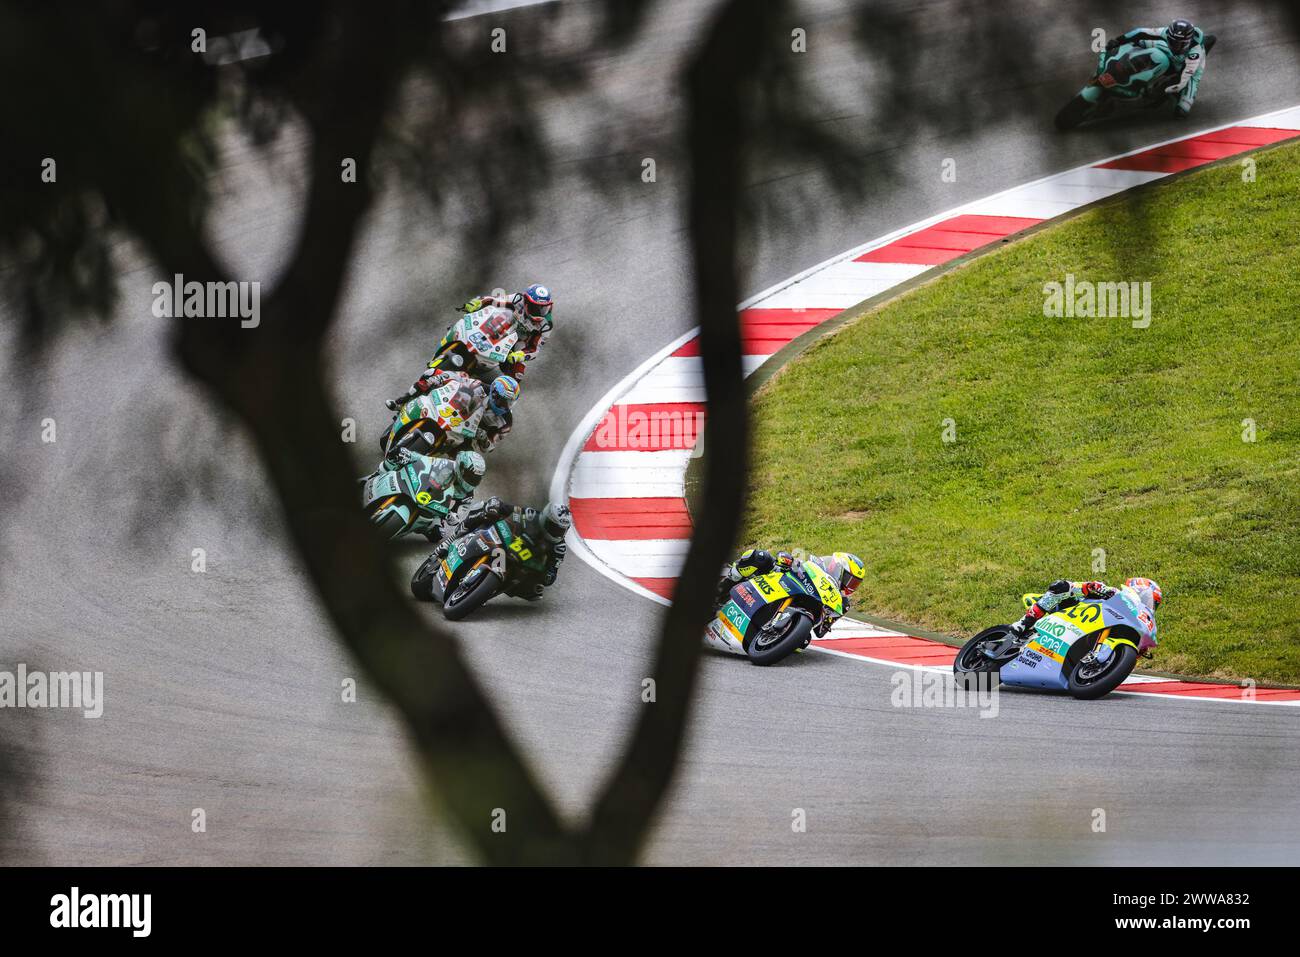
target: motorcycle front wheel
467 598
1092 679
767 648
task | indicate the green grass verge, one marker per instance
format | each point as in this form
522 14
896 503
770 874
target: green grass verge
1072 434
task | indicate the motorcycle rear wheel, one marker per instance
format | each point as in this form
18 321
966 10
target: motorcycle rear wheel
422 580
1073 113
461 603
782 645
972 660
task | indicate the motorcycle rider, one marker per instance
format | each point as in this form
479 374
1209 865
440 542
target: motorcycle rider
1063 594
455 478
532 318
844 568
497 418
545 529
1187 46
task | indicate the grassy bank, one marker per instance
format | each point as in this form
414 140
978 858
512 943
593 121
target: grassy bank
1072 435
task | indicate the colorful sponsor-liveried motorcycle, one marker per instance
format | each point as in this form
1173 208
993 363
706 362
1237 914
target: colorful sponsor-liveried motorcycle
1087 649
416 497
439 422
1131 76
478 565
478 342
769 617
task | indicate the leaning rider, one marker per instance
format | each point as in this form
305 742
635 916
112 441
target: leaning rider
1065 594
844 568
455 479
497 418
531 311
544 529
1187 45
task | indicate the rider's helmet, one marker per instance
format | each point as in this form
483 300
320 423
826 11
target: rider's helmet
1180 35
535 304
846 568
468 472
502 395
555 521
1147 590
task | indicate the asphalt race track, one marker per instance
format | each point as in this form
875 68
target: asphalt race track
222 688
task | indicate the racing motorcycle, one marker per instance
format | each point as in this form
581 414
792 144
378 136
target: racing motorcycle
415 497
478 342
769 617
1087 649
440 421
478 565
1112 88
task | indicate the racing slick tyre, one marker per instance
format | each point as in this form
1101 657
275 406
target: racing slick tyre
1091 680
973 658
1073 113
422 580
768 649
462 601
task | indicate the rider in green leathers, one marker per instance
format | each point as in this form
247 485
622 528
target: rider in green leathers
1178 49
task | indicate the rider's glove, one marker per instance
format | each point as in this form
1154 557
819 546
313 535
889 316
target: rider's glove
474 305
1097 590
784 561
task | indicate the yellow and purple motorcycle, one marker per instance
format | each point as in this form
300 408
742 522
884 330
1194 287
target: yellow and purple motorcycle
769 617
1087 649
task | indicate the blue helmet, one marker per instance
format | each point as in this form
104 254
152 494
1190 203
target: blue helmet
537 301
502 395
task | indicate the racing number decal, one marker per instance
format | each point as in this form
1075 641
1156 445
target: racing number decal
498 563
517 546
1084 614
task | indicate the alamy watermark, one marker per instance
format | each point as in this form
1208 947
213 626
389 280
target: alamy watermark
922 688
54 689
208 300
1098 300
625 427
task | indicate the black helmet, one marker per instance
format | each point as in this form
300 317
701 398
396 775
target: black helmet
1180 35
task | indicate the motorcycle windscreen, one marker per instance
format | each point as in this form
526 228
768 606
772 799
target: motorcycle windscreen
490 334
380 485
